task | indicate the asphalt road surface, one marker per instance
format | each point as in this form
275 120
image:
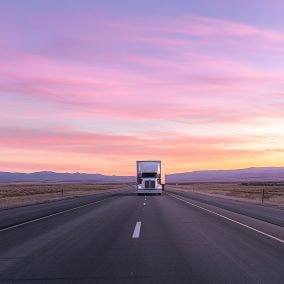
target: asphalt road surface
120 237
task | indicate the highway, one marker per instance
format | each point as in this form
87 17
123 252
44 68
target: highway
119 237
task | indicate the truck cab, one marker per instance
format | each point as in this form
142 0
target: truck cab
150 177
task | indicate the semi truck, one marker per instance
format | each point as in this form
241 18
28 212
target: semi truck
150 177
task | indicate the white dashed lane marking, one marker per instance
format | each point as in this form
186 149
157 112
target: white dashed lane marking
136 232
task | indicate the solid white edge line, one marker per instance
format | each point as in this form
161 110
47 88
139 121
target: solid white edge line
53 214
136 232
232 220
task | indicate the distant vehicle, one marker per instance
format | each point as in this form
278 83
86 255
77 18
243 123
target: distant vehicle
150 177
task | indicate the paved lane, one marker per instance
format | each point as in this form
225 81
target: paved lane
17 215
133 239
266 213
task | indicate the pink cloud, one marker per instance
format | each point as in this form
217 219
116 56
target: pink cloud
194 71
124 94
98 143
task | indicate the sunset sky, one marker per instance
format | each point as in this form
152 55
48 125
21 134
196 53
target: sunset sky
93 86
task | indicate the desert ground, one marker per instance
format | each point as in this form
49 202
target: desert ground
17 194
249 191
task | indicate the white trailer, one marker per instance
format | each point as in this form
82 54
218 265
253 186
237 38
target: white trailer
150 177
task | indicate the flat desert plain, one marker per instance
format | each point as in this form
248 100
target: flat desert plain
17 194
249 191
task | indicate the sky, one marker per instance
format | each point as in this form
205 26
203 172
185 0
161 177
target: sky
93 86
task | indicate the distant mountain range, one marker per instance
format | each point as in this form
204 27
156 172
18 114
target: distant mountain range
46 176
250 174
